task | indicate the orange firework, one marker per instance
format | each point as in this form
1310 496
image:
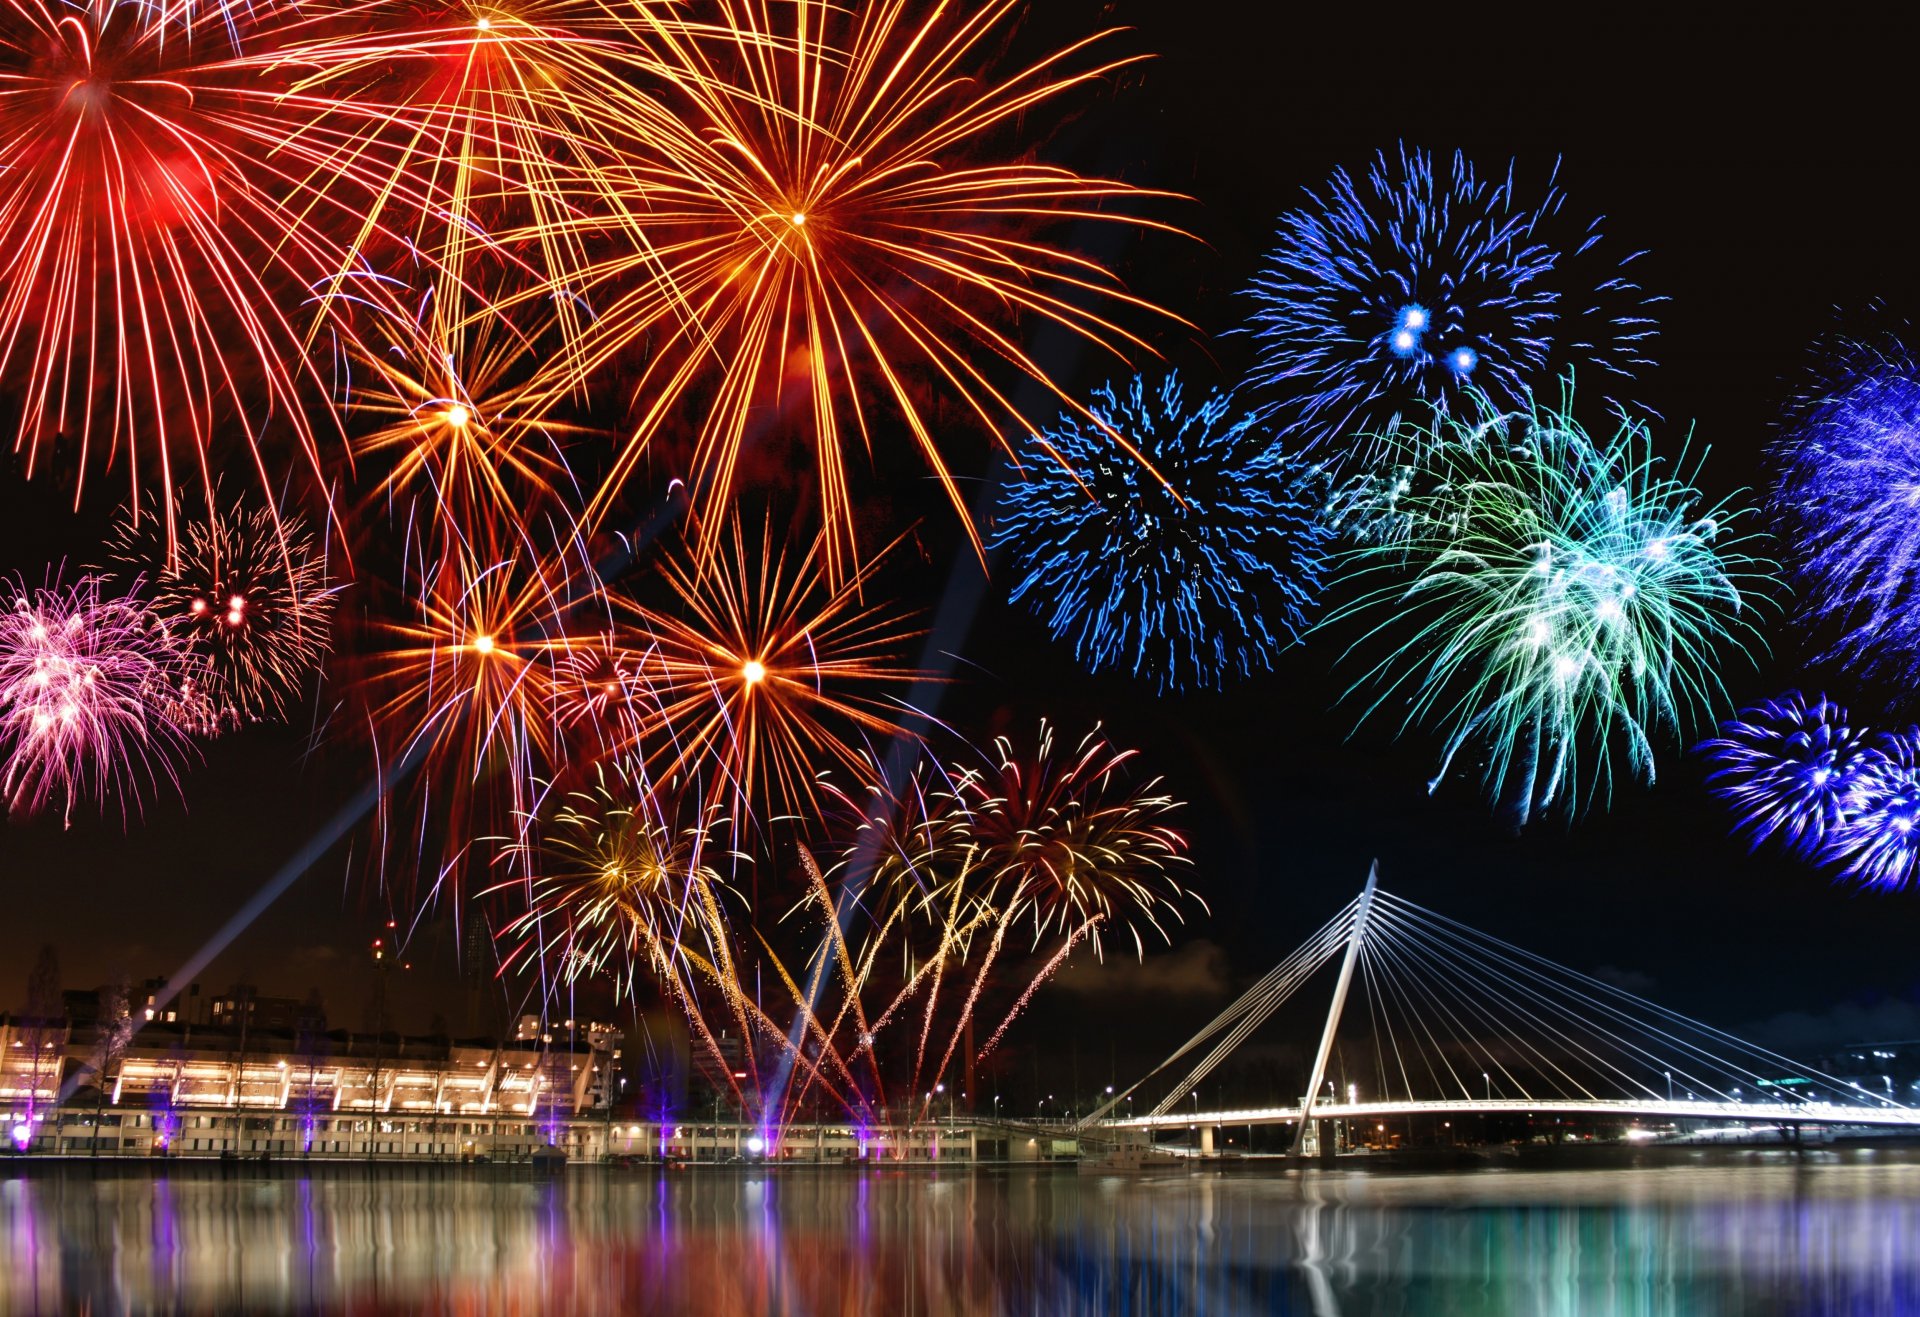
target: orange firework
481 128
845 224
451 422
464 690
762 671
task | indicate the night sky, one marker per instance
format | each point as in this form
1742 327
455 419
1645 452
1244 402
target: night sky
1765 201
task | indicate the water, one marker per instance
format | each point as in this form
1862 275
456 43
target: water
1758 1234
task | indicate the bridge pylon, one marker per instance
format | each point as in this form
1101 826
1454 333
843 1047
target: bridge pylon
1355 937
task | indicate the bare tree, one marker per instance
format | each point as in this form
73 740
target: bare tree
113 1031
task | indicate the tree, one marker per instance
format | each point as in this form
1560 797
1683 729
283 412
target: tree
113 1033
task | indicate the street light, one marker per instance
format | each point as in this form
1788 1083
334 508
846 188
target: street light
1489 1082
1669 1075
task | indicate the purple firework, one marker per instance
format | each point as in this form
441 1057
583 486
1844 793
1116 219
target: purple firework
1794 769
90 698
1849 490
1878 843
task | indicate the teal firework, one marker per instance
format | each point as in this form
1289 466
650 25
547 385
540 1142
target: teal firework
1557 608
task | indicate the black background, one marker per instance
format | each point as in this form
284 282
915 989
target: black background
1767 170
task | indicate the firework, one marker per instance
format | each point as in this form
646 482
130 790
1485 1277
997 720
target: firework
244 592
1068 837
160 228
1396 296
617 889
1197 570
1794 769
1850 460
1877 843
464 691
759 671
450 421
89 683
477 132
844 223
1570 603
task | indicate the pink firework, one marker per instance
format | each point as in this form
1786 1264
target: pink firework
91 699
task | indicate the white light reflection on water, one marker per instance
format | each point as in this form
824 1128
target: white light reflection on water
1760 1237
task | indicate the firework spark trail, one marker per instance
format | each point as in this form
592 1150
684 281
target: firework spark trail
1194 572
1059 958
1568 601
472 679
450 420
1067 836
761 668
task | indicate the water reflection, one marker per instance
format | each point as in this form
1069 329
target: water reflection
1759 1238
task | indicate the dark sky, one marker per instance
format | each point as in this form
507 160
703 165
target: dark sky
1766 170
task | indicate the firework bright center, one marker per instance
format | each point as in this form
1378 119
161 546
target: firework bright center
483 644
753 672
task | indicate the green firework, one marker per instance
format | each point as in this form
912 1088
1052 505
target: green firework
1555 606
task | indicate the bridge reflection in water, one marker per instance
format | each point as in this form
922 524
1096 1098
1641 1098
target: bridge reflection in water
1756 1233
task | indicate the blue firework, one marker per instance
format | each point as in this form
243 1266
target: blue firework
1878 843
1795 770
1390 297
1849 490
1197 568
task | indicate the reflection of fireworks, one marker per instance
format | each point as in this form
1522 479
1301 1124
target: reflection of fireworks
845 218
1795 769
1567 600
1201 574
1851 466
1424 281
245 594
762 671
84 686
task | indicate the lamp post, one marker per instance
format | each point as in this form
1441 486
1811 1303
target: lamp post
1488 1080
1669 1075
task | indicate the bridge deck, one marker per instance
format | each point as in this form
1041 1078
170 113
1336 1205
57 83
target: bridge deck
1770 1113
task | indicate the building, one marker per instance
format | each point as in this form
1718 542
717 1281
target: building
209 1090
242 1004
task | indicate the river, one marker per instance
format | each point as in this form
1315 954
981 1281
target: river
1753 1233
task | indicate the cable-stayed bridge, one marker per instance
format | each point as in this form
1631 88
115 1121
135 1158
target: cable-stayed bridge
1431 1017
